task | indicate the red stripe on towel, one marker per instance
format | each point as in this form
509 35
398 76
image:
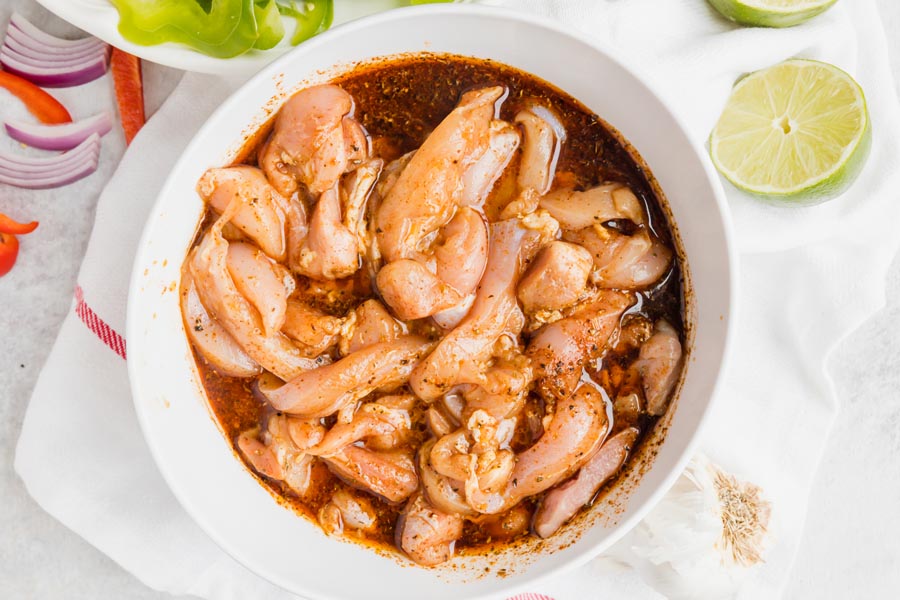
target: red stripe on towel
529 596
100 328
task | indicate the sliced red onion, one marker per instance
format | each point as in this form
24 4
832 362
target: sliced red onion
11 45
37 163
51 77
12 165
52 171
14 168
59 137
16 38
43 62
45 39
54 161
44 172
59 179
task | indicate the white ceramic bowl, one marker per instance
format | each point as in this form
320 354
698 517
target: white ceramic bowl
193 455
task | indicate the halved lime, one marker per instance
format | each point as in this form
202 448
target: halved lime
797 132
771 13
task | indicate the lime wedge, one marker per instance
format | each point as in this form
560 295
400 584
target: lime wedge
797 132
771 13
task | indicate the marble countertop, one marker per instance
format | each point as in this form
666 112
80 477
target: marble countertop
850 546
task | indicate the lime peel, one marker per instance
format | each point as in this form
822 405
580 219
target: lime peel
816 141
771 13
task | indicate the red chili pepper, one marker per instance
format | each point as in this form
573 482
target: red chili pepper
8 225
42 105
126 71
9 250
9 243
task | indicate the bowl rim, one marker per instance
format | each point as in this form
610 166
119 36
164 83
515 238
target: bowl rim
723 221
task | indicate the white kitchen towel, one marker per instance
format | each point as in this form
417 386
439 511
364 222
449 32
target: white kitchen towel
807 278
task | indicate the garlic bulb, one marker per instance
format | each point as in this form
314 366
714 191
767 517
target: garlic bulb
702 539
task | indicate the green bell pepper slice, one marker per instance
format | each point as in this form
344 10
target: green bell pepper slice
312 17
269 24
227 29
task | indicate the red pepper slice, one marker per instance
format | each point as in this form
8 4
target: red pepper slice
126 72
8 225
42 105
9 250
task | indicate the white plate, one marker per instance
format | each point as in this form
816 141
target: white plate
195 458
100 19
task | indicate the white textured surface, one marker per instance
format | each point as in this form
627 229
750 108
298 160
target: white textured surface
849 549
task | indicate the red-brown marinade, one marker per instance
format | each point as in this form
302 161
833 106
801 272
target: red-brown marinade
399 103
